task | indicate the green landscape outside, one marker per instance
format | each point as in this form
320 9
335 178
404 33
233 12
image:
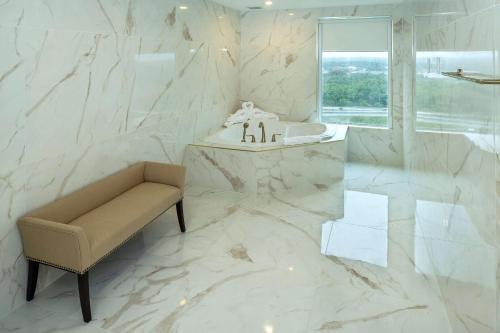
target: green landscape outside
355 88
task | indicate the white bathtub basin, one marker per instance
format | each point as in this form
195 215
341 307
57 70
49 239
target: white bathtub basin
300 133
306 129
287 133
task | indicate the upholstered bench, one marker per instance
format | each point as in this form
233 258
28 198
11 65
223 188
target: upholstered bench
77 231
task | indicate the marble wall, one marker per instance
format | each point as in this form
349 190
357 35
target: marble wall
279 66
497 148
89 87
451 136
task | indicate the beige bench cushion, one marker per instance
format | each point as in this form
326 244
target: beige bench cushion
76 204
111 224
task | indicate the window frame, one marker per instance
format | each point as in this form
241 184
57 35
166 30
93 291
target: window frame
319 54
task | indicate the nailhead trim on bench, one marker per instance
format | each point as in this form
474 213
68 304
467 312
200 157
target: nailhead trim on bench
104 256
54 265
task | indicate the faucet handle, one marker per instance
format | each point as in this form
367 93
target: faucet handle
253 138
273 139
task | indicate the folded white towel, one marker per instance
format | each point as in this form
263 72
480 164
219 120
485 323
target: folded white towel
247 106
247 112
298 140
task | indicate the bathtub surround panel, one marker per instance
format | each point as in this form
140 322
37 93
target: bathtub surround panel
88 88
309 166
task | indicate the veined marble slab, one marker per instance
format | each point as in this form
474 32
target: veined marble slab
289 167
90 87
252 263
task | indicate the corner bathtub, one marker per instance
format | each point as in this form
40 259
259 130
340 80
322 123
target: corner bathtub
315 160
287 134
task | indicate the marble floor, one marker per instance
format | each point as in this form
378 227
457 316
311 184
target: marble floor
350 258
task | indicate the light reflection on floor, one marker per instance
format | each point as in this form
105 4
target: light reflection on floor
362 233
457 249
443 229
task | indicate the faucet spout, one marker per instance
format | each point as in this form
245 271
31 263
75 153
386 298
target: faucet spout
245 127
263 137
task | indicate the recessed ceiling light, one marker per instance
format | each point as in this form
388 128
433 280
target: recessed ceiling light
291 14
183 7
269 3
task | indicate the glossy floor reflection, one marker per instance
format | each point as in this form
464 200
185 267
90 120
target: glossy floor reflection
460 253
354 242
254 264
362 233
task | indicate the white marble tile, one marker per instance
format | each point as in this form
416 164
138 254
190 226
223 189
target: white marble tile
266 171
153 90
79 15
362 232
219 168
354 242
362 311
11 13
447 221
80 101
280 51
472 7
83 93
12 265
12 99
252 263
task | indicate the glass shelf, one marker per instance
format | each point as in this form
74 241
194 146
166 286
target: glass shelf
474 77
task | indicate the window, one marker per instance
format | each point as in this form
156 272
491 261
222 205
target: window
355 62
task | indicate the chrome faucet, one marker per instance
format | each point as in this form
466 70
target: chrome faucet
245 127
263 137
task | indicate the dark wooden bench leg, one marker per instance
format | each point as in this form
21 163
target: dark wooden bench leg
180 216
83 290
32 279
